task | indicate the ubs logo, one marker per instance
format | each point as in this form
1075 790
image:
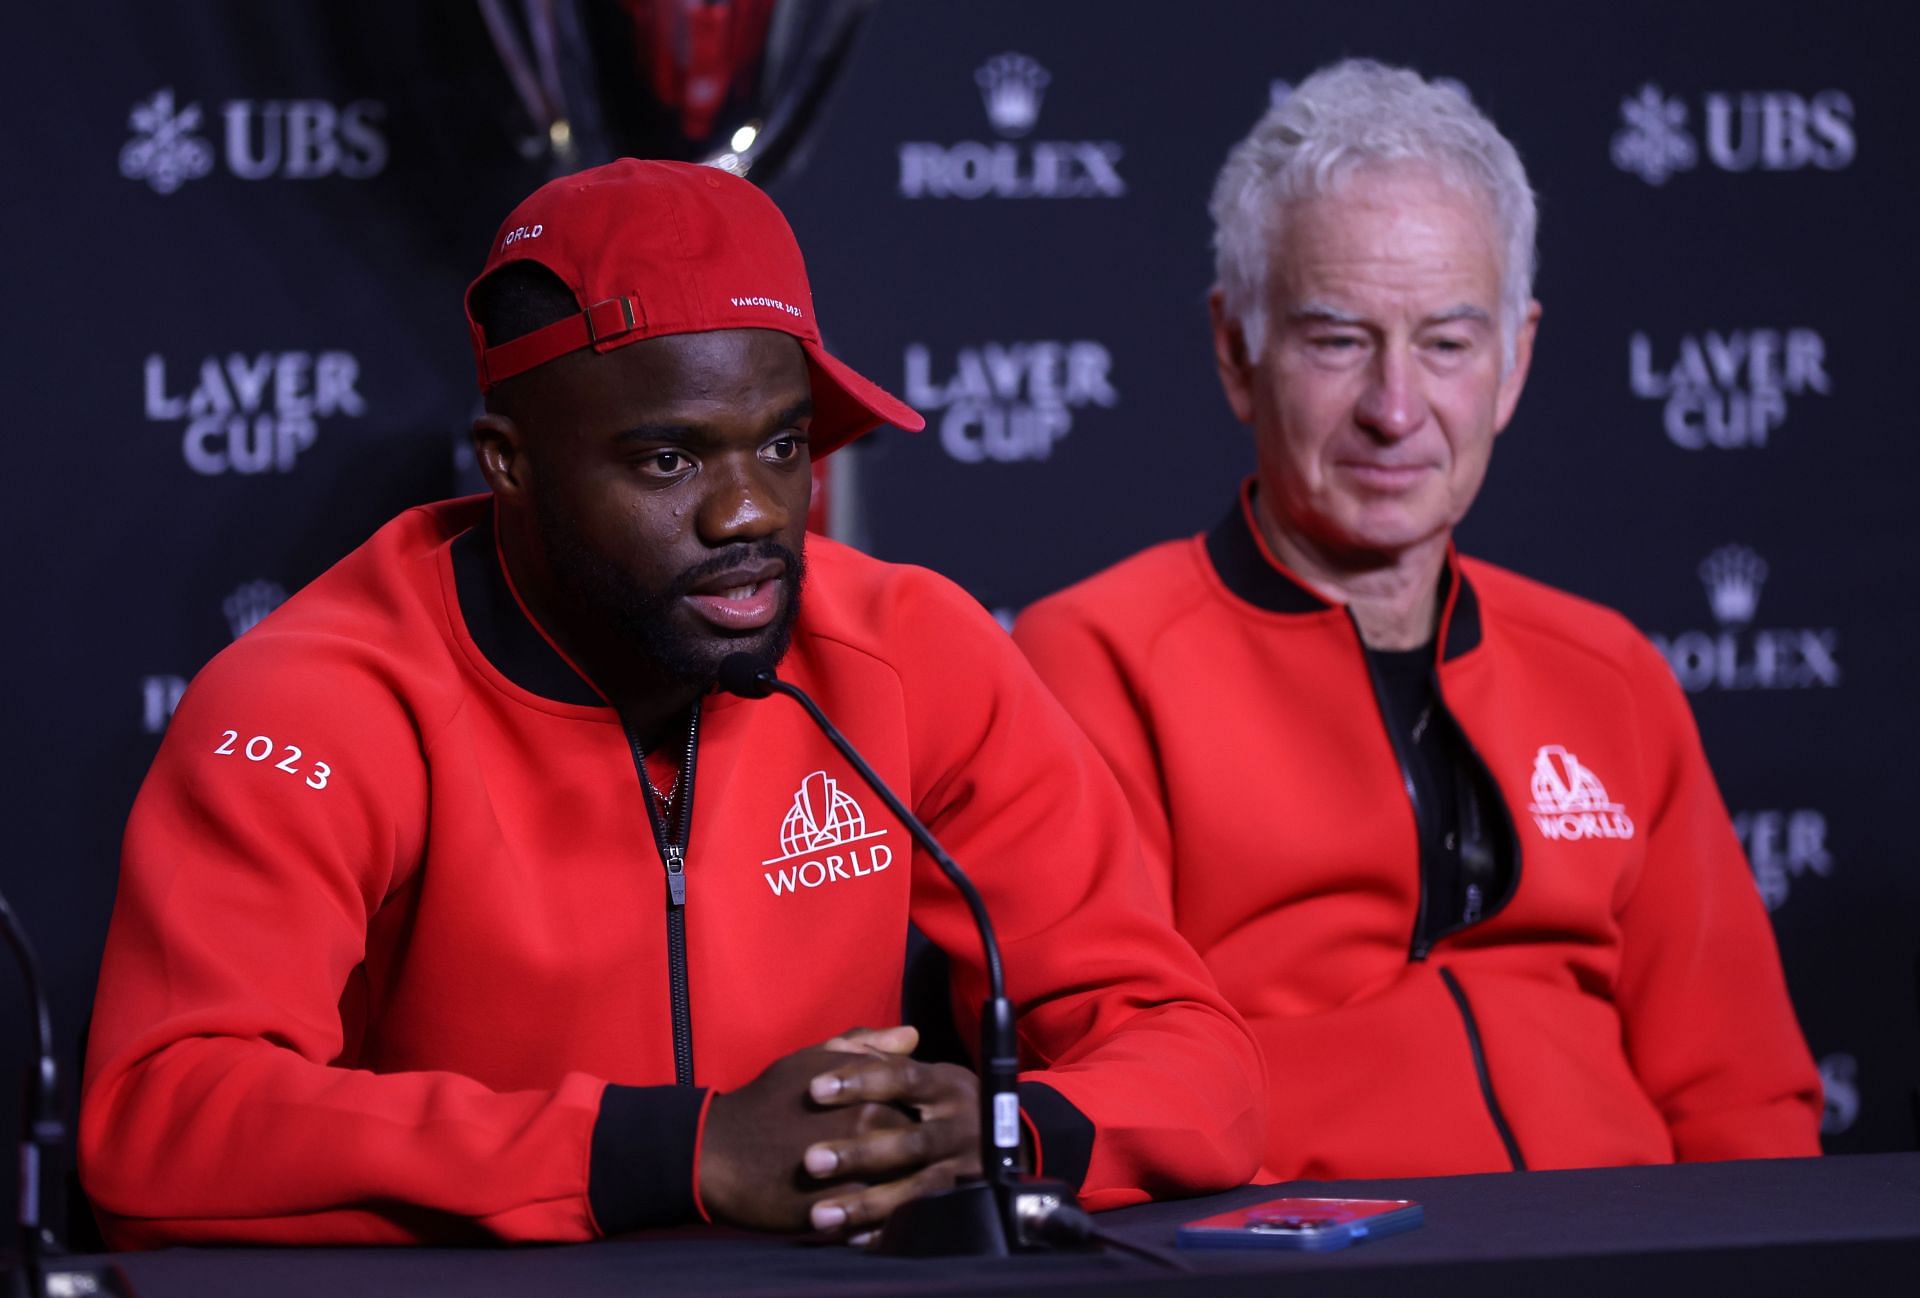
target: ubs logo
1766 130
259 139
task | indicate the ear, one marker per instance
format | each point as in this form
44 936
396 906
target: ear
1508 397
1230 357
500 448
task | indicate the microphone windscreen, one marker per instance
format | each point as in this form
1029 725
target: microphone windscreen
748 675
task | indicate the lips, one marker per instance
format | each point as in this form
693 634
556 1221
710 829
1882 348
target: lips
1387 477
745 598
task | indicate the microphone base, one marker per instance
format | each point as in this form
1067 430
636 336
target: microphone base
976 1219
59 1278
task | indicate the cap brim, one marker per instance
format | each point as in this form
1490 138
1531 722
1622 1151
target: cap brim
847 405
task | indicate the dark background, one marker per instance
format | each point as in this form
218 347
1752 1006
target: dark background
349 253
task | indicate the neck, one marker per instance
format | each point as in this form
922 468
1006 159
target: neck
652 705
1395 597
664 727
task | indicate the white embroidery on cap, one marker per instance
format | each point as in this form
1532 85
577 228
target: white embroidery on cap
773 302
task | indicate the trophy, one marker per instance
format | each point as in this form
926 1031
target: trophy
735 84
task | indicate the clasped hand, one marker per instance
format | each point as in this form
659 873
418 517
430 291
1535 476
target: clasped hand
839 1135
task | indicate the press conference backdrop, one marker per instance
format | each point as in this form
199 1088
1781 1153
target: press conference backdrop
238 236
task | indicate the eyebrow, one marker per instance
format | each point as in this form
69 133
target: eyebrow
1321 313
1464 311
793 414
692 434
678 434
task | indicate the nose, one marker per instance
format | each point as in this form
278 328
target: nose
1394 403
741 502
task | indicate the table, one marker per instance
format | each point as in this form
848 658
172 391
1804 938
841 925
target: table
1842 1225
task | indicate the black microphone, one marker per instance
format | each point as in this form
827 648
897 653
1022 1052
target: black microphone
41 1132
42 1141
1007 1207
747 676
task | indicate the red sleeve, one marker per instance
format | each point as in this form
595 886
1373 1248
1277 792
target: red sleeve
1119 1017
1710 1030
211 1108
1082 667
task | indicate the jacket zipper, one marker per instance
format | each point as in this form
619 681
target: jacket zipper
1418 947
1477 909
1479 905
672 845
1480 1068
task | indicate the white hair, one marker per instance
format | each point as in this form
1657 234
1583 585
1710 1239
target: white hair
1344 117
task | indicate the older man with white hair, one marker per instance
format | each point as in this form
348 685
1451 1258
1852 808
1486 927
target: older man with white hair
1445 836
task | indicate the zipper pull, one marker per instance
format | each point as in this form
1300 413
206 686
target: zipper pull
677 874
1475 900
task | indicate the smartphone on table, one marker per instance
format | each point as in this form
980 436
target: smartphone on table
1317 1224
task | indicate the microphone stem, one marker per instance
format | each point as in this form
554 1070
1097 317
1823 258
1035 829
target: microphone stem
999 1047
996 983
41 1131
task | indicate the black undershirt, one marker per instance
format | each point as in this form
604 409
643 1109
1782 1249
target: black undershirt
1463 874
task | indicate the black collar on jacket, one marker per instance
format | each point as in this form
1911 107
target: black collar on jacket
1236 552
511 643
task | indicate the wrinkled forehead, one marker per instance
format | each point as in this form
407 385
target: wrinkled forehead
1365 180
1411 218
1385 202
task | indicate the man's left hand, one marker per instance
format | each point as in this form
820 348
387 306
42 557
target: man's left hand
884 1169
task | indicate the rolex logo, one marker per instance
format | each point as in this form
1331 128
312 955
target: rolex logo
250 603
1840 1093
1740 655
1733 575
1012 85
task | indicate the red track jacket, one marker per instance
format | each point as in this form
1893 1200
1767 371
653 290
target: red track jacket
1624 1005
391 916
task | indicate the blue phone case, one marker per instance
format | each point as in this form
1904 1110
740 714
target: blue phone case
1318 1225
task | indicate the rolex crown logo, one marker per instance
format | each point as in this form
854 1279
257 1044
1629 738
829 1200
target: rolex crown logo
251 602
1012 85
1733 575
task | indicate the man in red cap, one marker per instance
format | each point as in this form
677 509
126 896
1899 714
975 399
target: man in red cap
457 905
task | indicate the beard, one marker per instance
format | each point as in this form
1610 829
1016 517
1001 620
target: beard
641 621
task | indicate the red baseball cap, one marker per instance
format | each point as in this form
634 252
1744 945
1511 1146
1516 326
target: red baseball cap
653 248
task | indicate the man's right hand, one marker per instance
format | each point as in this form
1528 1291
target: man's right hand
751 1172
